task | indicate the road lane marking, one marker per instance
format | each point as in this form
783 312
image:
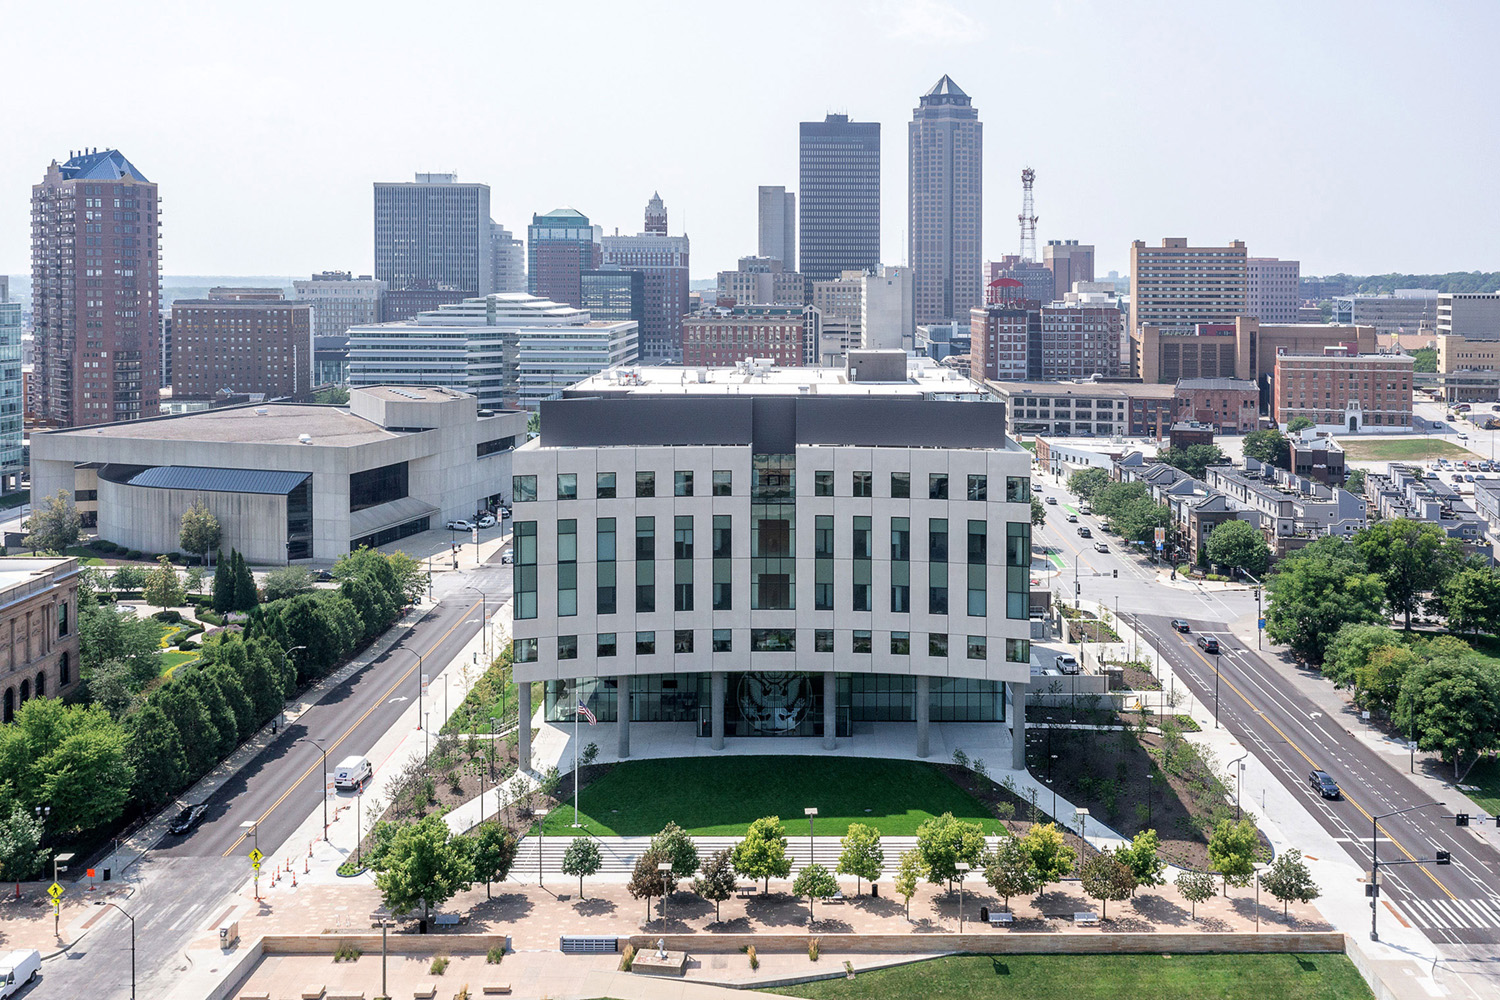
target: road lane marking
357 723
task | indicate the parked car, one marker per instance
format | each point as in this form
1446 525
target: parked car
18 968
1066 663
486 521
323 576
460 525
1322 782
1072 518
504 513
1051 500
1181 626
507 557
1084 532
188 818
1208 644
1084 508
1100 547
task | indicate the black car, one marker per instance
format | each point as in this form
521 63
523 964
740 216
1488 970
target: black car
323 576
188 818
1322 782
1208 643
1181 626
1084 532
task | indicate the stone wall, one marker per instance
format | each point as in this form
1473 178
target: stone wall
1001 942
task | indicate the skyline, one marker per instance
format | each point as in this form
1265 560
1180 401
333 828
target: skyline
266 161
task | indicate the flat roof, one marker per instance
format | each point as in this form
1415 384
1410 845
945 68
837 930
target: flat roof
412 393
270 423
1120 389
923 377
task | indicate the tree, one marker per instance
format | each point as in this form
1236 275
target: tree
1009 871
245 596
163 589
1238 544
493 853
184 708
1378 682
287 581
1350 649
862 856
1355 482
199 531
22 857
157 754
646 881
1316 591
1105 878
106 633
943 842
1193 459
1140 856
1196 887
582 858
718 882
908 876
1296 425
54 524
1271 447
1424 360
71 757
127 577
677 847
814 882
1288 879
1411 557
409 576
1452 705
1112 499
1038 512
1471 598
1231 850
1051 857
762 854
222 595
423 866
1086 482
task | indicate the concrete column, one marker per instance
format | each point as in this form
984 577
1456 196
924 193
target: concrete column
717 682
830 710
523 725
923 696
622 700
1017 692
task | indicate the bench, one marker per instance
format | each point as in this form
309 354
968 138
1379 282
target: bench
426 992
1086 918
1002 919
495 989
448 919
837 897
314 994
255 996
345 996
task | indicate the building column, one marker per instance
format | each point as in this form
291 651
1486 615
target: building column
1017 692
923 696
622 708
523 725
830 710
718 682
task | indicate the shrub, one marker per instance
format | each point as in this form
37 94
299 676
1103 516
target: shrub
754 959
439 965
813 948
627 958
168 616
495 954
346 953
187 645
133 554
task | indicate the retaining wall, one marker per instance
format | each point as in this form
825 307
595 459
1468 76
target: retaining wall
1001 942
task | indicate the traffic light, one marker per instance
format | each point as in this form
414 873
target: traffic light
1443 858
1257 593
1462 819
1372 890
1117 574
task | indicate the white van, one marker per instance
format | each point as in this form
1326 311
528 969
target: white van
352 772
17 969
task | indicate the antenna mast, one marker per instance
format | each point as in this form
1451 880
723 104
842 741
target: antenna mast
1028 216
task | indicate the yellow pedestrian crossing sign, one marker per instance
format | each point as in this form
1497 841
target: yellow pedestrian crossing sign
256 857
55 891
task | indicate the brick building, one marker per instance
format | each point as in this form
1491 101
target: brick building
786 334
1344 391
39 629
1086 409
561 245
1242 348
1229 405
241 341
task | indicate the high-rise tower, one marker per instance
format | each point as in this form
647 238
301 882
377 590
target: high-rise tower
778 225
94 290
663 261
945 191
839 219
434 233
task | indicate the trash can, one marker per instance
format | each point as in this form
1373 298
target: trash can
874 889
984 914
106 874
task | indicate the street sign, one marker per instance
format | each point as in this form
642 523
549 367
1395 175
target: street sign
1161 536
1260 623
55 891
256 857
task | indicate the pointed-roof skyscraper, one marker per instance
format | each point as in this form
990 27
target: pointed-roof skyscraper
946 203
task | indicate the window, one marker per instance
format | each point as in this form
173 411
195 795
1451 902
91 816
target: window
645 643
605 570
822 484
937 644
900 643
1017 489
567 486
645 564
567 567
645 484
567 647
723 640
937 486
862 567
723 567
862 481
62 624
901 485
682 640
823 640
377 486
525 650
862 642
978 557
604 485
523 489
524 575
823 562
605 644
1018 570
682 563
773 640
901 565
682 484
1018 650
979 487
978 647
723 482
937 566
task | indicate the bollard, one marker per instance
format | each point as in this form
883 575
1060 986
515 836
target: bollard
294 880
305 869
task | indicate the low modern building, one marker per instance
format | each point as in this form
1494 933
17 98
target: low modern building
1229 405
289 482
1315 456
1084 409
1244 348
795 553
1337 390
1403 491
39 628
1293 510
1408 311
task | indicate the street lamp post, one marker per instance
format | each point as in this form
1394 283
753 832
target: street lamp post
1077 590
664 868
1050 759
1239 779
294 667
1083 826
1216 690
963 869
810 812
59 864
106 902
252 827
382 915
319 744
541 815
484 624
1375 862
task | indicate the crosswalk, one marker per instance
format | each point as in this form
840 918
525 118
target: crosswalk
1453 913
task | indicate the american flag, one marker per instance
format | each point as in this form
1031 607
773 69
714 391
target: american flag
584 711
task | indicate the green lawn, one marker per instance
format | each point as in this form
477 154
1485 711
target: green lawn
1103 977
1401 449
170 661
1486 776
722 795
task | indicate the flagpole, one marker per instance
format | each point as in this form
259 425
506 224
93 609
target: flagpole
577 711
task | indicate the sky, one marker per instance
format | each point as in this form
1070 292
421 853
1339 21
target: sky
1353 136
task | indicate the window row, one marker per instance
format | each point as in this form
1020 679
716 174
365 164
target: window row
775 640
607 486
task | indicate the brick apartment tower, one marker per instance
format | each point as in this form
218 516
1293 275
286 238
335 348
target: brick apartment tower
663 262
945 189
95 266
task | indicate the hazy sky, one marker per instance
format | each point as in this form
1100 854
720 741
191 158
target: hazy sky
1355 136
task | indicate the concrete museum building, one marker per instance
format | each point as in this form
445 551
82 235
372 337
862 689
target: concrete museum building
775 552
288 481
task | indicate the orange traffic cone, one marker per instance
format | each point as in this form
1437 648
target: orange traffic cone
305 869
294 880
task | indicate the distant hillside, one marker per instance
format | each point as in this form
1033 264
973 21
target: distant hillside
179 286
1383 284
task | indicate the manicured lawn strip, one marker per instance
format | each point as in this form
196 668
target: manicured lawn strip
721 796
1486 776
1103 977
172 659
1402 448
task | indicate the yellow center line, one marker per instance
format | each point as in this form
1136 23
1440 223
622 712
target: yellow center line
380 701
1292 743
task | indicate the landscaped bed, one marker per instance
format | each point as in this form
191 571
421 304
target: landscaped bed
1401 449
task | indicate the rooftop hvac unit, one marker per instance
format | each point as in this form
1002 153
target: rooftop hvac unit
304 439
